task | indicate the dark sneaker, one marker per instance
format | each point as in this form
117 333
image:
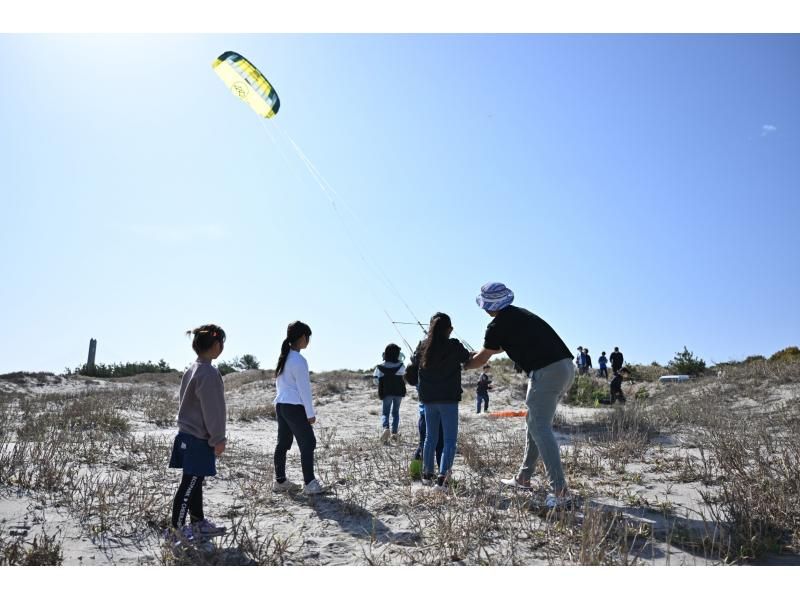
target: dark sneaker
206 529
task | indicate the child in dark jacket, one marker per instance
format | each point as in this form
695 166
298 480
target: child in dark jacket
483 388
615 387
201 435
391 389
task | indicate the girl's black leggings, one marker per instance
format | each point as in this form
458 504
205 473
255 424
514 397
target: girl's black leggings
188 499
293 423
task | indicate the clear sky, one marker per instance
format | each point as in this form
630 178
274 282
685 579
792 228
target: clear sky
640 191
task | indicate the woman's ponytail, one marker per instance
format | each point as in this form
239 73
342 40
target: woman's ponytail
294 332
285 346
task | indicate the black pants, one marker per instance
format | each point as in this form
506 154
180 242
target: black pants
483 398
188 499
293 423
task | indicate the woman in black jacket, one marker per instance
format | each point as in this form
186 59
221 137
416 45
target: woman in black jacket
440 358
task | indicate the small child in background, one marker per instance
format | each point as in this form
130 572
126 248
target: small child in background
587 361
602 362
483 388
201 435
616 387
391 389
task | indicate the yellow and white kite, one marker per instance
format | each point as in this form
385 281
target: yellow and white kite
247 83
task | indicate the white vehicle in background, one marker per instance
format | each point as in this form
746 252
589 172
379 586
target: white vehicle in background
674 378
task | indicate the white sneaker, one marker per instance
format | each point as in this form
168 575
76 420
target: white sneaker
386 434
285 486
558 502
313 487
442 483
516 483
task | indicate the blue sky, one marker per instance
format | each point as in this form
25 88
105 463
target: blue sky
639 191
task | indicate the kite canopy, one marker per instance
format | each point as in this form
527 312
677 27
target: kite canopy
508 413
247 83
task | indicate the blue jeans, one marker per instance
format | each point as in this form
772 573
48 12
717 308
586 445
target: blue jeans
391 404
421 447
446 415
483 398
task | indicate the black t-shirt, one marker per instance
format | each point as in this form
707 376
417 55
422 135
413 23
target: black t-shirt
440 381
527 339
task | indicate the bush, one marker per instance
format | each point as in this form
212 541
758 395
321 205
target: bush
237 364
587 391
787 354
248 362
256 412
120 370
645 373
685 362
225 368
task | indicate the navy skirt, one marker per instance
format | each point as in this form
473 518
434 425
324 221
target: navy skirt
193 455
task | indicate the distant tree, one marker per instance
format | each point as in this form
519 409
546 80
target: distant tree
248 362
751 358
119 370
225 368
685 362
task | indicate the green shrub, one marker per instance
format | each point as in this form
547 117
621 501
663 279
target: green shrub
685 362
787 354
225 368
120 370
248 362
586 391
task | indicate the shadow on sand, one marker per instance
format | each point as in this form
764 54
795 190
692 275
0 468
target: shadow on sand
356 520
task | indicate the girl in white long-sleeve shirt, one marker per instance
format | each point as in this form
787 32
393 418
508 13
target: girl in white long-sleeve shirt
294 409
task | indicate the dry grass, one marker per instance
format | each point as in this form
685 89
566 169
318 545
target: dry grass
739 443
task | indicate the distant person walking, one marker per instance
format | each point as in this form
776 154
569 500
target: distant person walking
615 388
580 361
391 389
482 389
294 408
616 359
441 358
530 342
602 361
201 435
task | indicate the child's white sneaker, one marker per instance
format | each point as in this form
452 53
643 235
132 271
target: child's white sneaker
313 487
285 486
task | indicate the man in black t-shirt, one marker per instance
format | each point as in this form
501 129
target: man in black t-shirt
616 358
532 344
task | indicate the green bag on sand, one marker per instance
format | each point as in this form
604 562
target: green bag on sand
415 469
